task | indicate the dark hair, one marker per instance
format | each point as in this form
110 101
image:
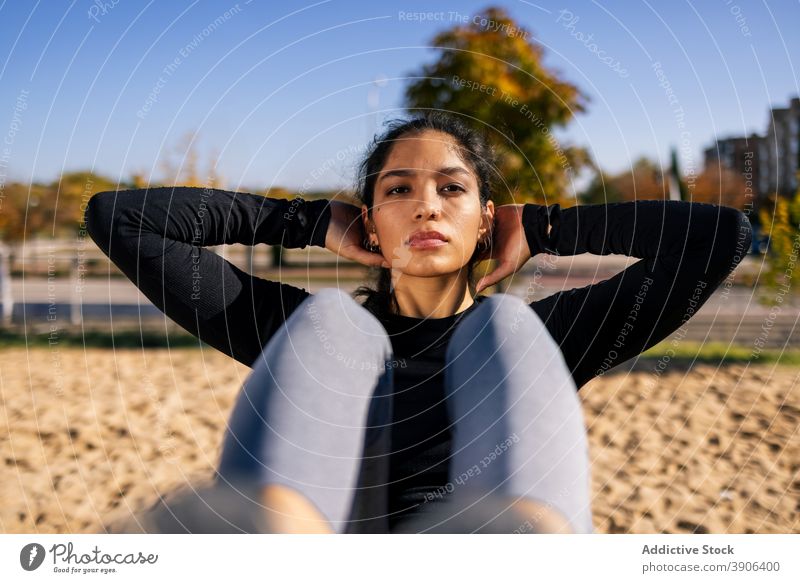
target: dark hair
474 149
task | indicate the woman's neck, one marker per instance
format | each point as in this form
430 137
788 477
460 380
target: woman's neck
432 297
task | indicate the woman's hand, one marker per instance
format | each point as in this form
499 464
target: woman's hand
510 247
345 235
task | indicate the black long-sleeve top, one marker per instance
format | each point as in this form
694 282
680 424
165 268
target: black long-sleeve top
157 237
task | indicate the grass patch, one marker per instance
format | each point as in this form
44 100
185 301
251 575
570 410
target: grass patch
721 352
687 352
100 339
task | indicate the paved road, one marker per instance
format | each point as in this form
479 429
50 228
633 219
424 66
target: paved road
733 312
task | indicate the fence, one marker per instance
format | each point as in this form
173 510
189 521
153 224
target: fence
46 281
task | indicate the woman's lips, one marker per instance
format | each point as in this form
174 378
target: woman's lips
426 243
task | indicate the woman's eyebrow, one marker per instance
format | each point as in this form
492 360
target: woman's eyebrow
448 170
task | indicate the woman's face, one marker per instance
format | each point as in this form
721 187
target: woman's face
426 186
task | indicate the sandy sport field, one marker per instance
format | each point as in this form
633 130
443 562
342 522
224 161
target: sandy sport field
88 436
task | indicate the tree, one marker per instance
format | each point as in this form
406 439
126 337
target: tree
644 181
70 194
601 190
184 170
17 200
490 73
49 210
781 274
720 185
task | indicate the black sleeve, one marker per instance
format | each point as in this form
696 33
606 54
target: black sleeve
686 249
156 237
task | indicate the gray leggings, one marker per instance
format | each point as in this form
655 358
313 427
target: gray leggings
315 413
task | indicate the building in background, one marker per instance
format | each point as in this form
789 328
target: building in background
783 149
746 155
769 163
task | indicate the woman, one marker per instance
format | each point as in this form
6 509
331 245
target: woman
368 417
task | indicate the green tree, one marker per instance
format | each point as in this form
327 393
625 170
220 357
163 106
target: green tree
782 272
493 75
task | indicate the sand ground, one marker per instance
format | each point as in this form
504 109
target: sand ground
88 436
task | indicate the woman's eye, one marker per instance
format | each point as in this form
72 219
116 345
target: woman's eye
456 186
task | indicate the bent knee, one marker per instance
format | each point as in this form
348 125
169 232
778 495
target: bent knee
504 310
502 303
499 318
344 314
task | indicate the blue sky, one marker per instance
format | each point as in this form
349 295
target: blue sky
281 90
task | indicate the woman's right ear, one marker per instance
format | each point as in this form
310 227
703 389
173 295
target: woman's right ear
365 220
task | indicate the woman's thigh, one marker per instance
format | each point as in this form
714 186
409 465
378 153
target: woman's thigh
517 422
315 413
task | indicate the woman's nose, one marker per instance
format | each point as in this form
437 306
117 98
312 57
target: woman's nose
428 204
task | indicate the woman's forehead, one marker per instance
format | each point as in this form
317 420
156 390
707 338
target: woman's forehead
428 141
425 155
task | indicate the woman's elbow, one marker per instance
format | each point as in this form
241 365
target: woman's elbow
728 242
739 232
99 216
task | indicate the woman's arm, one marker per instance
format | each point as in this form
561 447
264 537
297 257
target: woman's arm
157 237
686 249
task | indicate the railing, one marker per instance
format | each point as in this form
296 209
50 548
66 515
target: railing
75 283
61 258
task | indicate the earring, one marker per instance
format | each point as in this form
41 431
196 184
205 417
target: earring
484 244
370 247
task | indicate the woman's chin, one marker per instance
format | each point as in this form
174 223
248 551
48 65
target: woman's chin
428 268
